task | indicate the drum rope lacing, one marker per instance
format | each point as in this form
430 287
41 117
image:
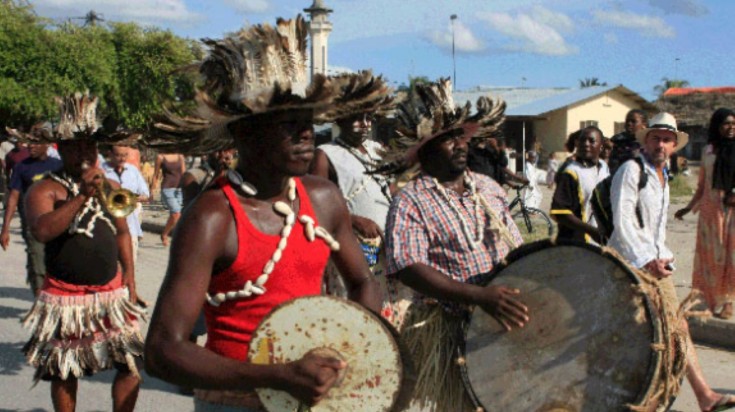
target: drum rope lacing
311 231
480 204
91 205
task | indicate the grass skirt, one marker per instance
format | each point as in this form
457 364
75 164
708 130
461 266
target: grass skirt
433 337
81 330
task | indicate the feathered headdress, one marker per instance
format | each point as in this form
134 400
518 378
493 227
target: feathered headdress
360 93
77 120
261 69
429 112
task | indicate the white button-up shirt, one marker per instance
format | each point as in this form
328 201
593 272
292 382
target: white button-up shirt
130 178
637 244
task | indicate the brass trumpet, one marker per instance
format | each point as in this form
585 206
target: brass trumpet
118 202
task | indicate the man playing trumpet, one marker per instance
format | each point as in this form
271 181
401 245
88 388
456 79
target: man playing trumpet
85 317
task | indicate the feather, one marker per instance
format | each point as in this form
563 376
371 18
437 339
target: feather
358 93
260 69
428 110
77 117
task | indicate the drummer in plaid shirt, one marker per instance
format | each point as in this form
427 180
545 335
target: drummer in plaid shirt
440 245
446 229
426 230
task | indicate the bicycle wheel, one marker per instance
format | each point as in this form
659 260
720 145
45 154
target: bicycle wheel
533 225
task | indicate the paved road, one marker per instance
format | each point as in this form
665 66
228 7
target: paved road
16 376
16 393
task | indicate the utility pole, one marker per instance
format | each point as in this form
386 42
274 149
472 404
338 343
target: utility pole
452 18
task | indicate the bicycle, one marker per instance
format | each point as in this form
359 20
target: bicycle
534 224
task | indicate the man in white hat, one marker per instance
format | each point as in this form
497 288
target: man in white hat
639 216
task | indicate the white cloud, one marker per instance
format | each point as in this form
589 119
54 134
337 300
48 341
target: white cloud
693 8
610 38
141 10
532 33
647 25
248 6
555 20
464 39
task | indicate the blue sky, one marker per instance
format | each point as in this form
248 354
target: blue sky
552 43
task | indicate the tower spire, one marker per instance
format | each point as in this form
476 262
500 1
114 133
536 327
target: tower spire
319 29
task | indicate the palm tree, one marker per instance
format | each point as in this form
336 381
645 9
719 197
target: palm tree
591 82
92 18
667 84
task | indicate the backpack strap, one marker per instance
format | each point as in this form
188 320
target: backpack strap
642 182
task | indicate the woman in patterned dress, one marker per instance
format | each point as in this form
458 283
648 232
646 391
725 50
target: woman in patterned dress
714 259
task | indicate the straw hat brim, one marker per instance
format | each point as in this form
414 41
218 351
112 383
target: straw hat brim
682 138
468 130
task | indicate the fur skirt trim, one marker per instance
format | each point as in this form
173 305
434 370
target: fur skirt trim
77 335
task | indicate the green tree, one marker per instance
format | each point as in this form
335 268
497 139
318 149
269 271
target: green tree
92 18
591 82
667 84
131 69
147 63
24 95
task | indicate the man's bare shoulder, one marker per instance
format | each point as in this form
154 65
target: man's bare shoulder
212 198
211 207
47 187
322 192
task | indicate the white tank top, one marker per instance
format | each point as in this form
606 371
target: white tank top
366 195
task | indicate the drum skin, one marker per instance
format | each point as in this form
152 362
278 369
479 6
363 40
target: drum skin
582 349
374 373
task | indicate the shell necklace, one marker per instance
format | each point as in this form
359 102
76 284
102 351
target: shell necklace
91 206
311 232
496 225
479 232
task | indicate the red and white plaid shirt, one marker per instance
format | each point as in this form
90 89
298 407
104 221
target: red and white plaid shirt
423 228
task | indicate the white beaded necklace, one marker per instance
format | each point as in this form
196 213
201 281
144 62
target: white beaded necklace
496 225
91 205
479 229
311 232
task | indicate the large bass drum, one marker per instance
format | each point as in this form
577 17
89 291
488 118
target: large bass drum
376 378
600 336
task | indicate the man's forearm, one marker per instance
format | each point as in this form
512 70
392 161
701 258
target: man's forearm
576 224
125 250
184 363
10 209
367 294
430 282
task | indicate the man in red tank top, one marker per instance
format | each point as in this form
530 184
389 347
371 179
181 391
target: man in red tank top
234 253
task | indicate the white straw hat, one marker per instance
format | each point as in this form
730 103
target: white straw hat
663 121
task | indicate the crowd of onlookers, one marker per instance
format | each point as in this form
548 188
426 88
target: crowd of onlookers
177 179
162 176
